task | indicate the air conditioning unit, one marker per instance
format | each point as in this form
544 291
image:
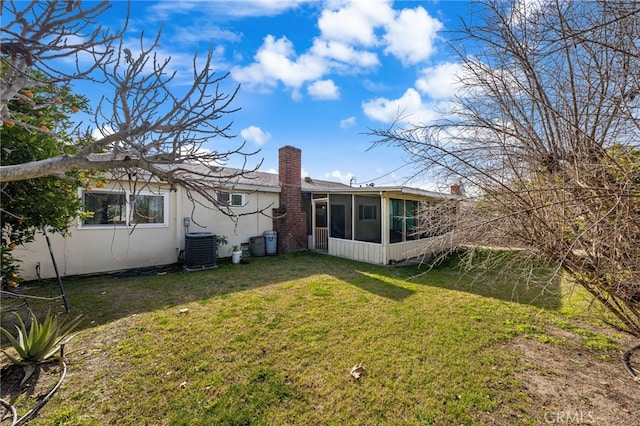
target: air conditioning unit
199 251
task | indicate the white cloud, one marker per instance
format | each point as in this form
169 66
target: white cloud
349 33
256 135
355 22
323 89
344 53
102 132
441 81
409 108
276 61
523 10
163 10
205 31
338 176
412 35
344 32
347 122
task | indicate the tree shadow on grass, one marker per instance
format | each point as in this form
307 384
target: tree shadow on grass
538 286
381 286
109 297
106 298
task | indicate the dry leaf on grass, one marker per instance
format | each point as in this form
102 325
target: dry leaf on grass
357 370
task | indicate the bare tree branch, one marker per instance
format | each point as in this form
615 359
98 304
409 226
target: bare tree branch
149 124
545 134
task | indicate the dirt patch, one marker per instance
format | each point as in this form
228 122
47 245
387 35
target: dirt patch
571 385
27 395
86 362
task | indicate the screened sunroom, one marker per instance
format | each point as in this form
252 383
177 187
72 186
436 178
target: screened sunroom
376 225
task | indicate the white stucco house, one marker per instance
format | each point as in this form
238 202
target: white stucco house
370 224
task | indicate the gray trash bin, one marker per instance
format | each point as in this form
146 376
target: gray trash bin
256 246
271 242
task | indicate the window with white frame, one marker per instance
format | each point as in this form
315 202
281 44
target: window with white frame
231 199
402 220
147 209
367 212
143 209
413 220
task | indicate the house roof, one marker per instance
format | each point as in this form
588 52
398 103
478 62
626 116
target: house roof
315 185
247 180
234 178
269 181
265 181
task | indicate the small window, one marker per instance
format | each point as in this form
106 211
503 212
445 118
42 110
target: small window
231 199
367 212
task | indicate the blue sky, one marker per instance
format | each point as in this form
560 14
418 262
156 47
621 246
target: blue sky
316 74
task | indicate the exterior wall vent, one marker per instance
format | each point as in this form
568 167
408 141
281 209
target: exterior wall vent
199 251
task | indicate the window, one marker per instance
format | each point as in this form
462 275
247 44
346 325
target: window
413 220
104 208
321 215
396 224
367 212
125 209
403 220
230 199
147 208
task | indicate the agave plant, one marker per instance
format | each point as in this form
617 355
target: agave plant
41 341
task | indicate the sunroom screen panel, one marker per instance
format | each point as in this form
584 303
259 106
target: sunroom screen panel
340 213
368 222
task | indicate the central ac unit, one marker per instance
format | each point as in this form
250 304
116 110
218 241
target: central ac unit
199 251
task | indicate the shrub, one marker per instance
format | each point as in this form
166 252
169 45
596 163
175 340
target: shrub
41 341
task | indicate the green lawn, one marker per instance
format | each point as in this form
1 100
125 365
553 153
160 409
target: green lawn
273 341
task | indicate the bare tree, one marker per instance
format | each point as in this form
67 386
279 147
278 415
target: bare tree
545 132
151 128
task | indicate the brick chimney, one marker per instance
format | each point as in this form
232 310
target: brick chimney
290 219
456 190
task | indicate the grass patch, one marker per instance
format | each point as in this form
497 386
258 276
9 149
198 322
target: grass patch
272 342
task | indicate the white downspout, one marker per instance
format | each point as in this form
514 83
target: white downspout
258 207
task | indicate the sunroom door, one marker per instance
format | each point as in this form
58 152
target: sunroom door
320 225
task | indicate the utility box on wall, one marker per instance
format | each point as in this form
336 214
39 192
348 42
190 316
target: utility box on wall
200 250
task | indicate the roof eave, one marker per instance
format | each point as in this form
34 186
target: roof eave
384 189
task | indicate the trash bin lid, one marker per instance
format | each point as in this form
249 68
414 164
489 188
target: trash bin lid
269 233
